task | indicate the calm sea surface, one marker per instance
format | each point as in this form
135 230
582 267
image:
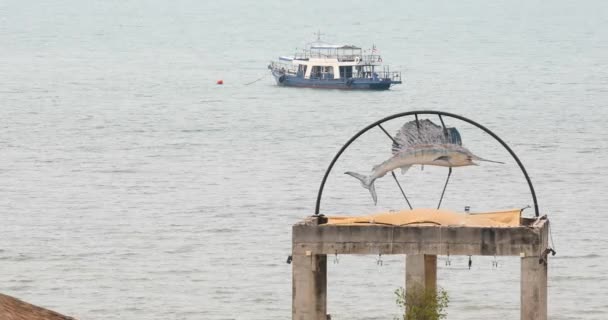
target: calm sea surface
133 187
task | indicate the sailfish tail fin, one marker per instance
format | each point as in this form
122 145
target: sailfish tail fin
366 182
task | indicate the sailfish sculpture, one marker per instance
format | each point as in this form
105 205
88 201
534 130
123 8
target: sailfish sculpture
421 142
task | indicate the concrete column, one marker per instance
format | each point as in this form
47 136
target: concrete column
309 287
533 289
420 271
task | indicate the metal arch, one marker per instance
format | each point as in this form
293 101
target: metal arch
416 113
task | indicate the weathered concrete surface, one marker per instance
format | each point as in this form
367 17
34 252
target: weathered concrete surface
15 309
533 289
309 288
420 272
312 241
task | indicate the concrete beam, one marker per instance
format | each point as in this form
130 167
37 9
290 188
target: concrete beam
309 287
432 240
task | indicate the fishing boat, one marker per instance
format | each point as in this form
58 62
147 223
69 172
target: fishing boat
334 66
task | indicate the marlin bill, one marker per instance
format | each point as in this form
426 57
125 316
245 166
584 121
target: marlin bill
424 143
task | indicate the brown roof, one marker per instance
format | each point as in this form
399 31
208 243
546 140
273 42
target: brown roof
15 309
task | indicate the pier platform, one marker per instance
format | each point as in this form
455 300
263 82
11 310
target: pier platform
314 238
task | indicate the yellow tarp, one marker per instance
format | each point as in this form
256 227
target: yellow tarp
510 218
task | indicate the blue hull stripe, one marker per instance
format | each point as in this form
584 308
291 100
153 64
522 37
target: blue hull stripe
357 84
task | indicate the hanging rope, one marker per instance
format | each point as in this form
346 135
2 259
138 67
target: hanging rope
252 82
552 243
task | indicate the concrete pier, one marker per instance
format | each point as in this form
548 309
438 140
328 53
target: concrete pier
312 241
309 287
533 288
420 272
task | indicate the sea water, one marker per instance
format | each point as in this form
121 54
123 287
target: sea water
134 187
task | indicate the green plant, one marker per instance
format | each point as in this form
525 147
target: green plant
422 304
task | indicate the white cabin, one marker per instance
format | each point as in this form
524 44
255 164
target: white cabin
328 61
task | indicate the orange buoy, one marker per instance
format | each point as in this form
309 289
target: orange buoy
220 82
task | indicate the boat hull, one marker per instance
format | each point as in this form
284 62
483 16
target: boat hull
352 84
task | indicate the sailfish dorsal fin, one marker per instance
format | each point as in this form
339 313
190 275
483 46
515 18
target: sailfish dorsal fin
425 132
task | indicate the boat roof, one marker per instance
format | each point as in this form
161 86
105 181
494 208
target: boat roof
332 46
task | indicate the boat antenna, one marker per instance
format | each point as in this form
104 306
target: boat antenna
318 34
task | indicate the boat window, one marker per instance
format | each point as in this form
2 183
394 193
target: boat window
328 73
346 72
316 72
322 72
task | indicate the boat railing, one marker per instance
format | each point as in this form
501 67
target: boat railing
371 59
395 76
361 59
283 68
342 57
318 55
378 75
